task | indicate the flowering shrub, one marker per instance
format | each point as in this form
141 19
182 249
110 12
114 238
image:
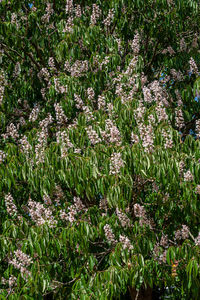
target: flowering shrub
99 149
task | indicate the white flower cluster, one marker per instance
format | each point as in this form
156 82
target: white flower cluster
181 167
2 86
60 115
78 11
188 176
42 138
21 262
78 69
101 102
178 96
198 189
74 209
193 66
140 212
103 205
63 139
179 119
124 220
58 194
12 282
169 50
109 234
116 163
131 67
183 45
44 73
125 242
108 20
96 13
49 11
17 70
164 241
176 75
14 20
198 128
183 233
34 114
25 146
147 136
167 138
134 138
69 25
51 63
111 133
161 112
47 200
135 45
11 130
90 93
59 87
10 205
40 215
104 62
79 102
2 156
88 113
69 6
93 136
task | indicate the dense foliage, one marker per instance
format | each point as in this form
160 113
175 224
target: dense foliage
99 148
